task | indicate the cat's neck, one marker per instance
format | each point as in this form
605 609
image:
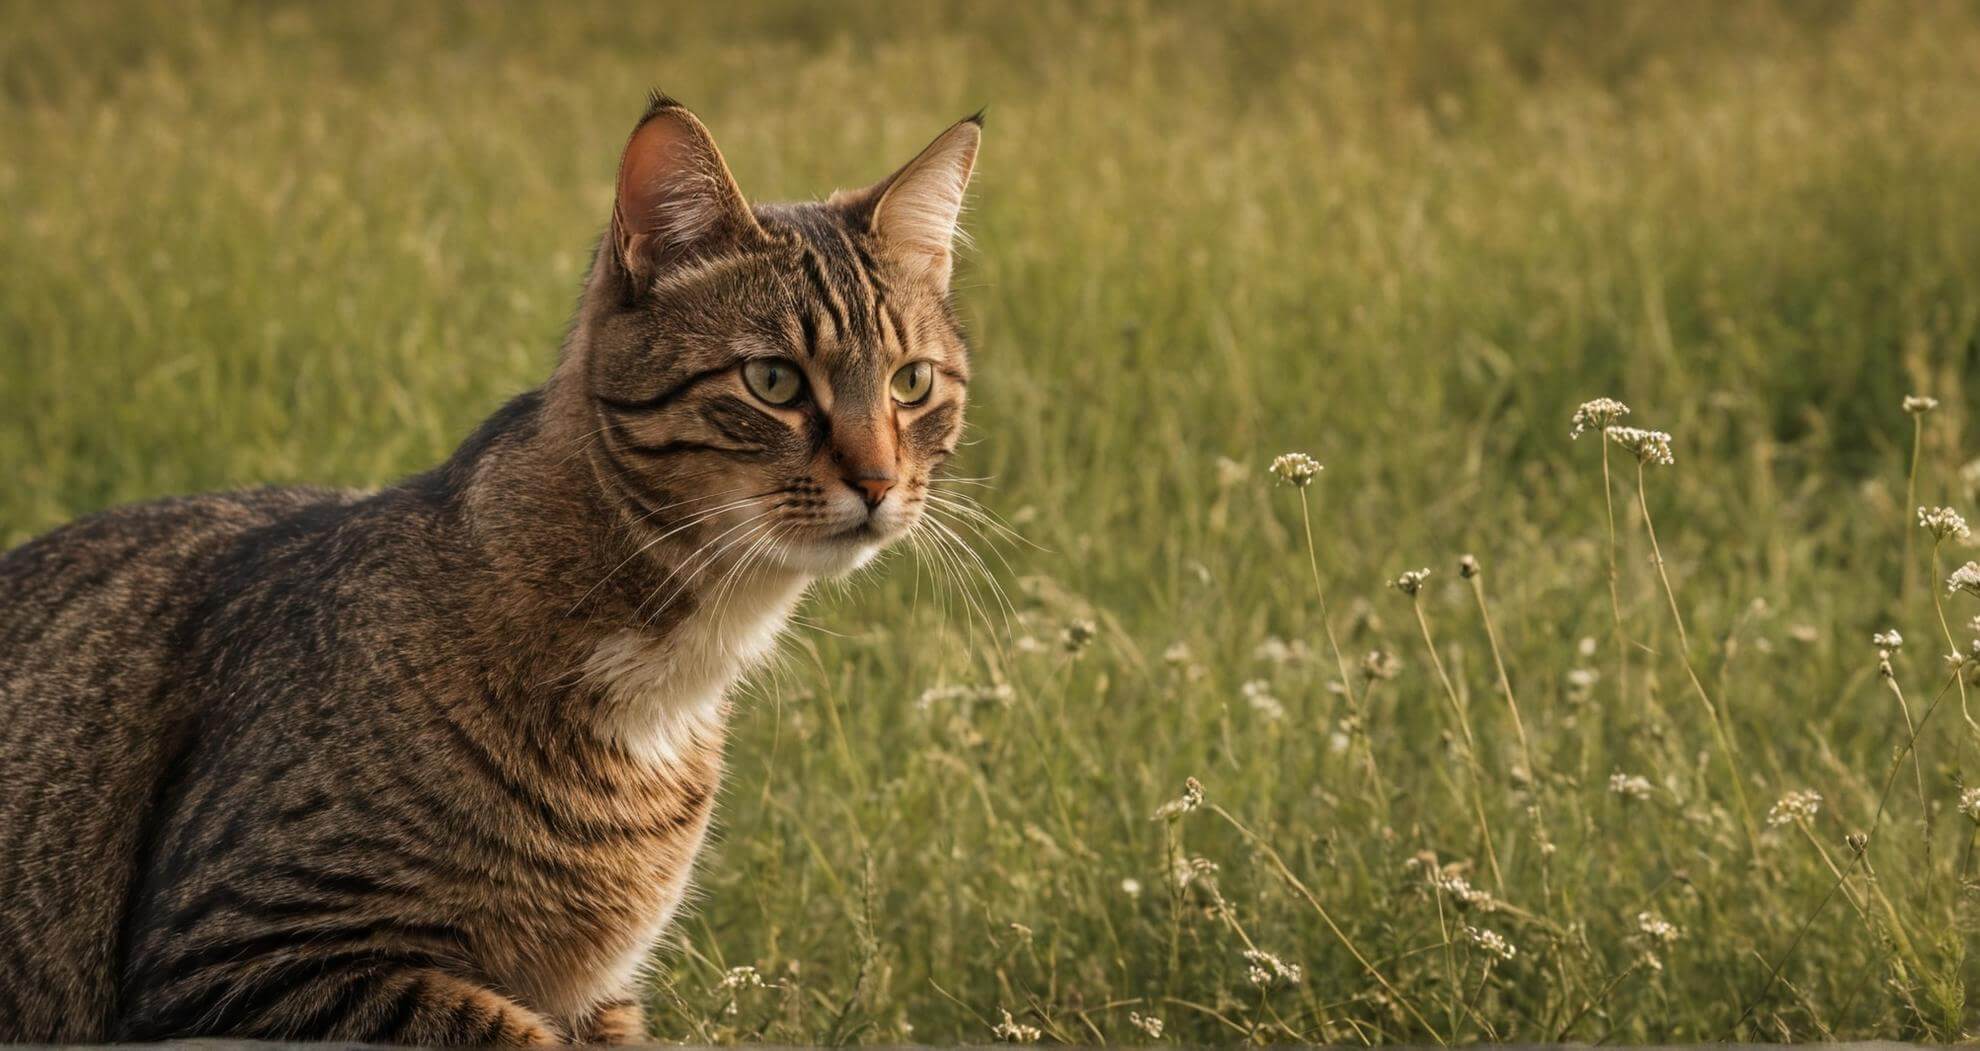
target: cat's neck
637 641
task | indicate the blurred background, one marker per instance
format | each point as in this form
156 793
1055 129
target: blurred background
265 243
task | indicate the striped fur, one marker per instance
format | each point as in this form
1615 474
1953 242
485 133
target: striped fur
432 764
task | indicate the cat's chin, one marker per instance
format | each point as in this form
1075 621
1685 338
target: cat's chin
829 557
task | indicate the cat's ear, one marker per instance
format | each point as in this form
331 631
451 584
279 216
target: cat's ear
676 198
913 213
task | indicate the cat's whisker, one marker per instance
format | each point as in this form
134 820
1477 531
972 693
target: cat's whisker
696 518
982 567
964 587
689 577
978 513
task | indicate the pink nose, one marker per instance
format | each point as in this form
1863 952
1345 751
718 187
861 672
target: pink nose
874 489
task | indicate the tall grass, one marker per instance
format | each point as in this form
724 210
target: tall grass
248 244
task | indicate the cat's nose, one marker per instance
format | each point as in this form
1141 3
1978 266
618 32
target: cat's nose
873 487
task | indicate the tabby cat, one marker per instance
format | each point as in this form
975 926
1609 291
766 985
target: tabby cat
431 764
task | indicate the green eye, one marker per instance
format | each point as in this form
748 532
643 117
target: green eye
913 382
773 379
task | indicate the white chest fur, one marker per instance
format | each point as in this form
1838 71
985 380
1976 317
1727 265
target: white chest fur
664 695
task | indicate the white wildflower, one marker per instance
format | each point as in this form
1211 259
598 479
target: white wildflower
1919 404
1657 929
1150 1024
1077 634
1012 1031
1943 523
1379 665
1491 941
1630 786
1275 650
1258 694
1189 870
1296 469
1887 640
1177 654
744 977
1597 415
1411 582
1969 804
1800 805
1191 798
1466 895
964 694
1966 578
1267 969
1652 447
1131 886
1230 472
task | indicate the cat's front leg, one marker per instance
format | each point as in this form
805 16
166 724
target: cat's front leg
352 999
615 1022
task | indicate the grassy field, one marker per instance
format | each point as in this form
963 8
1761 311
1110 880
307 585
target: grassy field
248 244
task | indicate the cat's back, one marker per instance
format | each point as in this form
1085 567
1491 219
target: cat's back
92 617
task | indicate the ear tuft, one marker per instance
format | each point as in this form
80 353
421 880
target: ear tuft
676 198
916 211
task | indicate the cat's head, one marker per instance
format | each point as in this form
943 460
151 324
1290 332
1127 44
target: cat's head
774 382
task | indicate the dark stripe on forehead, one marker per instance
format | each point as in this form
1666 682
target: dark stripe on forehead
814 271
809 324
840 267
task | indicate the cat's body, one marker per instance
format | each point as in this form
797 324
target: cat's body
433 764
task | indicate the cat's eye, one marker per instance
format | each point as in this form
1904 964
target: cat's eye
774 380
913 382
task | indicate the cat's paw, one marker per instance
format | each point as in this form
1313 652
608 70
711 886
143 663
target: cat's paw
618 1022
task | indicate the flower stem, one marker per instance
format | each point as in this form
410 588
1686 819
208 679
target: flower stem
1470 743
1615 575
1326 622
1719 731
1910 501
1286 874
1505 681
1939 607
1917 767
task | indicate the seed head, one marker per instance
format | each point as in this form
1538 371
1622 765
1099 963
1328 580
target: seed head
1411 582
1012 1031
1969 804
1461 891
1657 929
1857 842
1919 404
1268 969
744 977
1258 694
1597 415
1491 941
1379 665
1150 1024
1966 578
1887 640
1077 634
1943 523
1296 469
1630 786
1467 567
1652 447
1191 798
1800 805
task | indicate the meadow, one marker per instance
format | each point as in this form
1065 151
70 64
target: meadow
1118 777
